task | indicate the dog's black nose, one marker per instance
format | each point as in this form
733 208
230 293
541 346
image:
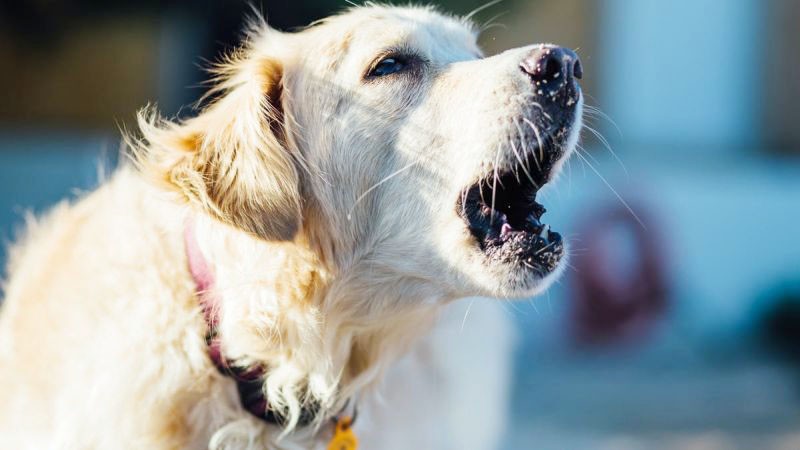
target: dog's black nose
552 67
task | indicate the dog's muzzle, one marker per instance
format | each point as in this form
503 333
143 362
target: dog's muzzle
500 209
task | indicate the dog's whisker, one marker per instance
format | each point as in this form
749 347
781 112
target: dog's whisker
568 163
544 248
493 25
463 202
525 165
593 110
513 146
578 148
570 266
614 191
491 22
539 142
522 166
544 113
466 314
538 105
494 183
607 145
475 11
589 155
378 184
480 189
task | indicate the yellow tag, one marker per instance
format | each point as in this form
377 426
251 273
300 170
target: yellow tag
343 436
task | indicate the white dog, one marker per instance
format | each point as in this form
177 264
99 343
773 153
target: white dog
263 267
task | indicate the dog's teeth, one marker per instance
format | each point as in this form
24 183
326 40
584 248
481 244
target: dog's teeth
534 221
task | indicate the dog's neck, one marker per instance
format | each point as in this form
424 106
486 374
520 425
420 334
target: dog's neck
319 337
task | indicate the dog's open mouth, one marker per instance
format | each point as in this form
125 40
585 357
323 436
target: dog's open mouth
501 212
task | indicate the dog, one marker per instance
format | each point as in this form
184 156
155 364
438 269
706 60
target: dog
279 271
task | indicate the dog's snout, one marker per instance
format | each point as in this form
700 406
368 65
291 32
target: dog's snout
552 67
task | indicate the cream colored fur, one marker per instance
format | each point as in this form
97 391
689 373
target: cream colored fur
324 205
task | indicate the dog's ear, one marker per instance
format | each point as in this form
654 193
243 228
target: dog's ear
232 159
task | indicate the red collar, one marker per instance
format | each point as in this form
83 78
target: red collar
249 380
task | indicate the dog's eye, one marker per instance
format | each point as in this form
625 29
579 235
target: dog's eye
387 66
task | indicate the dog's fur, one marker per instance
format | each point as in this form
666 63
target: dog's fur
324 204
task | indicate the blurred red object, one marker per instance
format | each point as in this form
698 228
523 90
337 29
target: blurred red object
620 287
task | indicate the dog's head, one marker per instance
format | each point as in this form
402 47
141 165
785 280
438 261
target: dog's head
385 135
425 157
386 142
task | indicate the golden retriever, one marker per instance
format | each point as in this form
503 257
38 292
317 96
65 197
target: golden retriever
278 266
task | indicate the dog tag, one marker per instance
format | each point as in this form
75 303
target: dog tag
343 436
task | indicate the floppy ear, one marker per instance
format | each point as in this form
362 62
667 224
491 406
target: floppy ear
232 160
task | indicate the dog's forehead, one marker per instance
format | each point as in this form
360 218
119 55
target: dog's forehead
367 30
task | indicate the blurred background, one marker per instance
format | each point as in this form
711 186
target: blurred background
677 324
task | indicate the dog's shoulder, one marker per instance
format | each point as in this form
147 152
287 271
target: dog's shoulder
99 279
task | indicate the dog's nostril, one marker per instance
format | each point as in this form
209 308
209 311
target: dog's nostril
577 69
547 64
549 67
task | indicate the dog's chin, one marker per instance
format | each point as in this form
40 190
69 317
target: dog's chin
514 282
